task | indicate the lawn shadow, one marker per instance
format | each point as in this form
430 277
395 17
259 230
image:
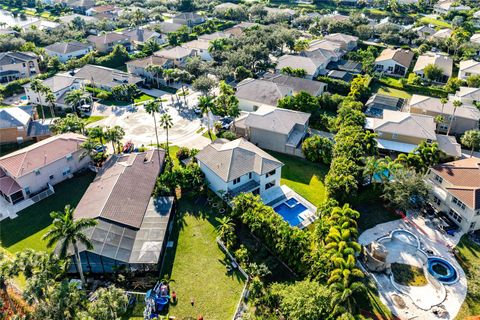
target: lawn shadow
179 224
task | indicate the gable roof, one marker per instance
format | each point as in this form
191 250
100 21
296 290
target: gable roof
58 82
145 62
464 175
106 76
108 38
443 33
297 84
435 105
122 188
196 44
470 66
310 65
341 37
7 58
232 159
262 91
174 53
40 154
277 120
404 123
67 47
13 117
168 27
400 56
141 34
443 62
468 93
188 16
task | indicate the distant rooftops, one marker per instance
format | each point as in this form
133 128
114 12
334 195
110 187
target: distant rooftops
67 47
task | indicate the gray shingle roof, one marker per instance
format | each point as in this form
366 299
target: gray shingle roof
297 84
13 117
262 91
7 58
106 76
278 120
67 47
232 159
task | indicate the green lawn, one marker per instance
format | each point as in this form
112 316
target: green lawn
93 119
469 258
304 177
382 89
197 265
27 229
206 135
438 23
144 97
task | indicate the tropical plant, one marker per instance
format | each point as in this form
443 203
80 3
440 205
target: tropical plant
153 107
74 98
156 71
71 123
50 99
67 231
439 119
318 149
115 135
206 105
471 139
166 122
38 87
109 303
7 271
432 72
456 104
226 230
97 133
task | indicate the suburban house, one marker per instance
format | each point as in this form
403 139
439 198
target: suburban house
80 6
139 67
315 88
200 47
169 27
402 132
238 166
443 62
132 226
394 61
312 66
238 30
104 11
424 31
227 6
106 78
275 129
139 36
279 11
214 36
380 102
442 34
18 124
66 20
468 68
178 55
347 42
188 19
44 25
65 51
36 168
106 42
455 190
466 117
60 85
18 65
446 6
468 96
325 50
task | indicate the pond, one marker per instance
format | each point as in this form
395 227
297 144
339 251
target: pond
8 18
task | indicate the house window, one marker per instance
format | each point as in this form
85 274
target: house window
69 157
472 225
390 68
271 173
458 203
66 171
394 136
37 172
429 140
437 201
237 180
51 177
438 178
455 216
269 185
27 190
249 175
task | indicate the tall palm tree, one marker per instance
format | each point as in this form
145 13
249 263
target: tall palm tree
153 107
205 104
50 99
7 271
37 86
66 232
115 135
471 139
443 101
225 227
439 120
97 133
456 104
90 148
166 122
156 72
74 98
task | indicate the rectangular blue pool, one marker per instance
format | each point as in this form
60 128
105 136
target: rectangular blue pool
290 211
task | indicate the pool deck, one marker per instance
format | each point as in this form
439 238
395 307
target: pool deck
430 239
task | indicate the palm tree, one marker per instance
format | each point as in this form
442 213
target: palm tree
166 122
439 120
443 101
50 99
156 72
37 86
151 108
97 133
66 232
225 226
73 98
205 104
115 135
90 148
456 104
471 139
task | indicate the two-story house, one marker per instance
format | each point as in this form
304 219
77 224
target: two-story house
106 78
65 51
139 36
442 62
346 41
33 169
18 124
139 67
313 66
464 118
238 166
106 42
394 61
178 55
200 47
456 191
189 19
18 65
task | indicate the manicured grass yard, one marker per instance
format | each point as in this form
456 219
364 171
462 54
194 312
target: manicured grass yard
469 258
381 89
304 177
144 97
196 264
27 229
93 119
438 23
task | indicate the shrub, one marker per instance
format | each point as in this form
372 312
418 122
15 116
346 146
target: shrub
318 149
229 135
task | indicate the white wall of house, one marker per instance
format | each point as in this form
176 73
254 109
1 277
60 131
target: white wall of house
58 169
250 106
64 57
388 66
464 74
39 98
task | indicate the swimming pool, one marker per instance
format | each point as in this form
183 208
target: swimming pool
23 98
290 211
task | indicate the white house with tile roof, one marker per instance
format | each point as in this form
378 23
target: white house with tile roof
468 68
441 61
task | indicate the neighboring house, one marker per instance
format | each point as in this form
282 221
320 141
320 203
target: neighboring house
455 190
312 66
80 6
38 167
138 66
139 36
17 125
443 62
325 50
169 27
403 132
200 47
279 11
442 34
60 85
214 36
99 10
238 166
134 225
446 6
347 42
106 42
469 96
106 78
275 129
65 20
394 61
178 55
189 19
380 102
226 6
466 117
350 66
44 25
468 68
18 65
315 88
424 31
238 30
68 50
